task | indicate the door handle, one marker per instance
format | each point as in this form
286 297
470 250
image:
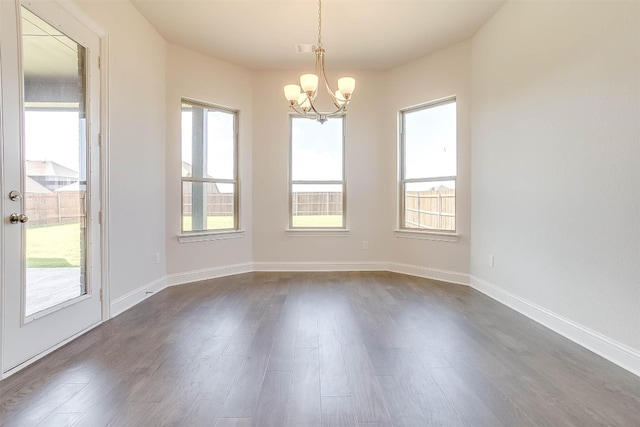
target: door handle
15 218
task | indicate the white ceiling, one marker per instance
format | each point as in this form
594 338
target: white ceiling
357 34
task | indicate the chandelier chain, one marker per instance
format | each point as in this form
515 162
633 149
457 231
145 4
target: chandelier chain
319 23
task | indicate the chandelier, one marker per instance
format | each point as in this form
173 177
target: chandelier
302 97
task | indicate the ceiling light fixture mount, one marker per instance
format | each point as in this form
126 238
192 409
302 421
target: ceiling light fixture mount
302 97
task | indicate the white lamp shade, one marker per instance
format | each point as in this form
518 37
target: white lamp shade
346 85
309 82
291 92
339 98
303 101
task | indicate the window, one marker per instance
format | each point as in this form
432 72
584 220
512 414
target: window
317 186
209 168
428 167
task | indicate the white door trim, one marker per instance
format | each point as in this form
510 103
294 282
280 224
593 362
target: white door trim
81 16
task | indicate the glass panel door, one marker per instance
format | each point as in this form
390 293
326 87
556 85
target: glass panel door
50 125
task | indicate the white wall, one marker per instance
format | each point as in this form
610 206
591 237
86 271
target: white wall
366 174
442 74
137 145
200 77
556 160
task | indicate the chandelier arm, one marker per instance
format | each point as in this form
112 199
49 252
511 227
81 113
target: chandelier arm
298 110
321 72
340 109
338 112
319 117
313 108
326 82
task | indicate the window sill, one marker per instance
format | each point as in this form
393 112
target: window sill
428 235
208 236
317 232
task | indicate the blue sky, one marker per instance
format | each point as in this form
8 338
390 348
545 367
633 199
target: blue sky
430 142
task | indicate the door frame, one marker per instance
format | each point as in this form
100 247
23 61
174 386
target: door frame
103 144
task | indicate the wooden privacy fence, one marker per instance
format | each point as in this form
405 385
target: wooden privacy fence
312 203
217 204
51 208
434 209
317 203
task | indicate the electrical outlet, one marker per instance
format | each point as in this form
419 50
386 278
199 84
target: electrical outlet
491 261
365 245
157 257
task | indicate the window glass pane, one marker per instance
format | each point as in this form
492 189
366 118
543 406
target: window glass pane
430 205
186 140
207 206
430 142
316 150
208 138
317 205
220 138
55 165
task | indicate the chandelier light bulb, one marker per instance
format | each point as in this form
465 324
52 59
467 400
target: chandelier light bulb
291 92
309 83
339 98
346 85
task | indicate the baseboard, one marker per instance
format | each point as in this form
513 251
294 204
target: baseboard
319 266
208 273
412 270
429 273
620 354
127 301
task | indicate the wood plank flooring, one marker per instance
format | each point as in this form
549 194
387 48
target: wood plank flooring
320 350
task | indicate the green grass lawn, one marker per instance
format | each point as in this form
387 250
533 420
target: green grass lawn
302 221
56 245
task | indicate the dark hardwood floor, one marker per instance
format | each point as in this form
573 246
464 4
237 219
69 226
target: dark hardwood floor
321 349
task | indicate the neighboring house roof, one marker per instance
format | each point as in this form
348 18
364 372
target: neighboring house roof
74 188
49 168
32 186
186 169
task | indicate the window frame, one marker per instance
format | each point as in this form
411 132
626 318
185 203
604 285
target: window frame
234 181
343 182
402 181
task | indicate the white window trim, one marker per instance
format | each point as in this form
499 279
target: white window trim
214 234
210 236
317 231
415 233
422 234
